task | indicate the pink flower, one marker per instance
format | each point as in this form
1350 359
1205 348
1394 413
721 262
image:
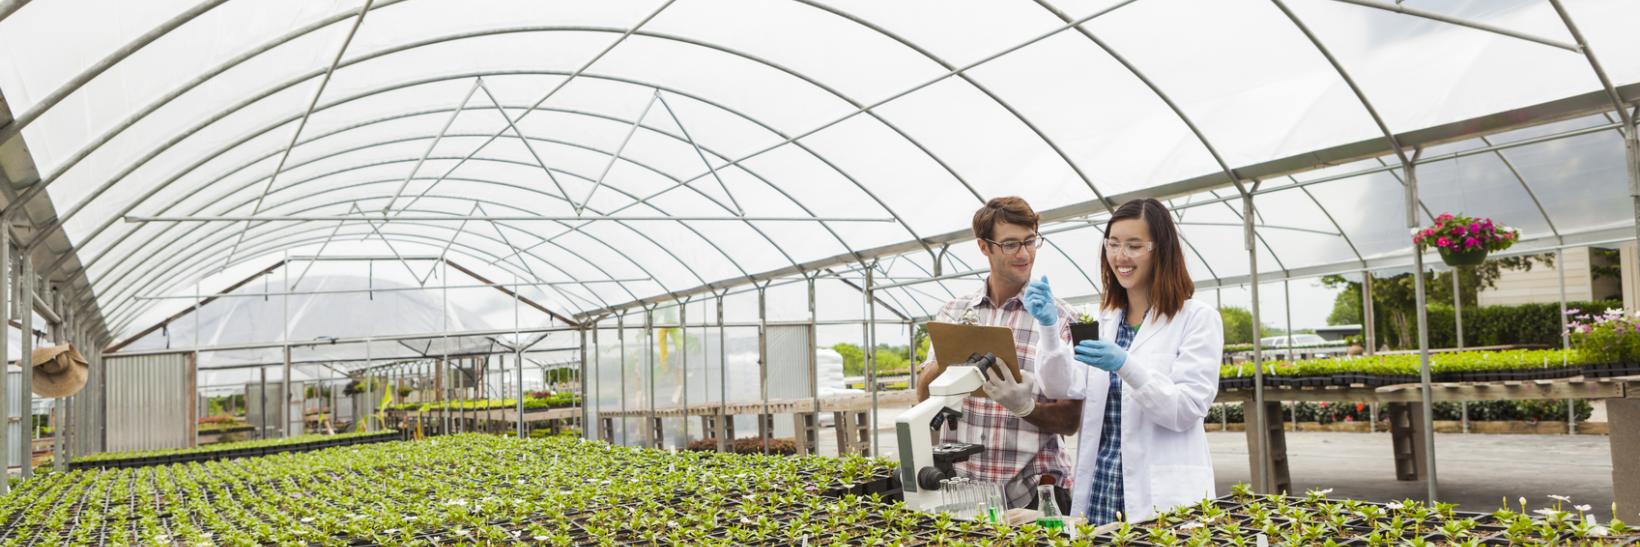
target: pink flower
1475 227
1470 243
1443 241
1428 233
1459 230
1443 218
1587 329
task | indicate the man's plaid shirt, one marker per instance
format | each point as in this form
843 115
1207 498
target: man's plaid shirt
1016 452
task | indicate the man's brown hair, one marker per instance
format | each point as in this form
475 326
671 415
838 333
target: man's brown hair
1170 283
1009 209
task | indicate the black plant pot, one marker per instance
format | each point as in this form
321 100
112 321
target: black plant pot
1084 331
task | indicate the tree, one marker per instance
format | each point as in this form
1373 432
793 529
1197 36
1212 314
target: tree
1394 298
890 359
1238 325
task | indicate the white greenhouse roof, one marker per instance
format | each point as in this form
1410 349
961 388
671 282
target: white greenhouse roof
626 153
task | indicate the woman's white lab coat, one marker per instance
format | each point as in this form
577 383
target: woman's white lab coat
1168 382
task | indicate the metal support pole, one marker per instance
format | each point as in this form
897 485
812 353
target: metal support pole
814 374
649 371
1411 170
1571 417
1369 319
1560 268
651 346
1463 411
1457 310
592 409
262 403
683 369
518 365
724 440
763 358
1260 422
1631 153
1287 304
620 336
5 374
871 355
284 409
25 360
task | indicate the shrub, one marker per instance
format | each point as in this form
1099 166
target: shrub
1610 336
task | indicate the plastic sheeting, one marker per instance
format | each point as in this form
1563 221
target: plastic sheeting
910 111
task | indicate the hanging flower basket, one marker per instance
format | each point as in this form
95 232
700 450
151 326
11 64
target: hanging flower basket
1464 241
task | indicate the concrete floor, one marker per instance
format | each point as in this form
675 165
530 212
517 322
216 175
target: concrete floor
1475 471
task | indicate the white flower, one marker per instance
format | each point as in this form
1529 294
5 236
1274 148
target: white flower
541 538
1561 498
1581 508
1394 505
1546 512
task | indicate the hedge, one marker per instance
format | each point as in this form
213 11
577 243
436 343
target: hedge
1536 324
1523 324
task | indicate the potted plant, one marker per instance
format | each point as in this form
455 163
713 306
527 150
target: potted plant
1355 349
1464 241
1085 327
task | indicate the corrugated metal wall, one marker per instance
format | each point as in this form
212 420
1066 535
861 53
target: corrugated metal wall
151 401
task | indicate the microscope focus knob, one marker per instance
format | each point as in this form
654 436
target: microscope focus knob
929 478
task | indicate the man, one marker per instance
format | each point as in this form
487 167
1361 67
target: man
1019 429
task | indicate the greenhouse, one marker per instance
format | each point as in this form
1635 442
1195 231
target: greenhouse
411 272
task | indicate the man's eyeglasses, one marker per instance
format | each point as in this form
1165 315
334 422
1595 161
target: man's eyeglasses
1013 246
1131 249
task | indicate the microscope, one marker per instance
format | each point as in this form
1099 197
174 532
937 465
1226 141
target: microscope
922 464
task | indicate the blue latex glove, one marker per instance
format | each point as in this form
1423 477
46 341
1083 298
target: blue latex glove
1039 303
1101 354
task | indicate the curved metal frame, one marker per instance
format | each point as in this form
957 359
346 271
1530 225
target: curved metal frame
566 143
336 154
155 151
272 246
21 122
866 109
319 227
190 262
403 85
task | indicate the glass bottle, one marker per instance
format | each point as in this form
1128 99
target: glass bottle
1046 503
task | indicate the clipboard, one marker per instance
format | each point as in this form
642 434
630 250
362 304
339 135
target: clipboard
953 343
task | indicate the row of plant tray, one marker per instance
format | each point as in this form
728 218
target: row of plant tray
887 486
250 452
1361 379
1354 529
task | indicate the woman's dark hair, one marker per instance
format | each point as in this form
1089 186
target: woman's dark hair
1170 284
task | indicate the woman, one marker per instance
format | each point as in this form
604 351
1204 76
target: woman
1148 380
